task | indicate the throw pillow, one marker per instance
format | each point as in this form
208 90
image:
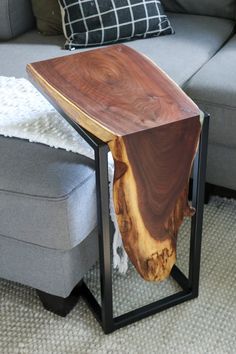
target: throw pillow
97 22
48 16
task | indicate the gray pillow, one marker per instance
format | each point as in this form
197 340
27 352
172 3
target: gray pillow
16 17
217 8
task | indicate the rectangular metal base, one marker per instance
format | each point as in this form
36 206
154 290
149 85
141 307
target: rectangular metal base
189 285
138 314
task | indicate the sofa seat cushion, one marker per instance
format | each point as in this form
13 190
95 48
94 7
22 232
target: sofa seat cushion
214 89
47 195
56 272
196 40
221 166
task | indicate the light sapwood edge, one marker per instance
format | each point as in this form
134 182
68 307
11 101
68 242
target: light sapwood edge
152 258
71 109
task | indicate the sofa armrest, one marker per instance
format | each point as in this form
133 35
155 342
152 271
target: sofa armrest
16 17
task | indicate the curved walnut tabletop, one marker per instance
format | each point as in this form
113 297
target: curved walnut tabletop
152 129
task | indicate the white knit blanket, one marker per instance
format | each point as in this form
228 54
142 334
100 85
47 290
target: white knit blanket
26 114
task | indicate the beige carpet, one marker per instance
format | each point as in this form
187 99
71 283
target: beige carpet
204 325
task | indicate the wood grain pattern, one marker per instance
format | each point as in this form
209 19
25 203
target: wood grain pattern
152 129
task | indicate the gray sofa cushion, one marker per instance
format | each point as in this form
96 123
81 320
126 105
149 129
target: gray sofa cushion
47 196
221 166
53 271
196 40
16 17
214 89
217 8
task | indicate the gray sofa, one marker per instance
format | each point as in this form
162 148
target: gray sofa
48 237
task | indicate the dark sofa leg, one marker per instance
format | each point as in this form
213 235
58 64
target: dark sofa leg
208 192
221 191
59 305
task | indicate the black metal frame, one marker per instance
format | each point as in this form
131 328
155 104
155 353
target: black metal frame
190 285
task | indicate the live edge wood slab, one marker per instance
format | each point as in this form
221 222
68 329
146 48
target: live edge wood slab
152 129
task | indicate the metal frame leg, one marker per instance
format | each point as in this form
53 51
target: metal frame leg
190 285
198 196
104 235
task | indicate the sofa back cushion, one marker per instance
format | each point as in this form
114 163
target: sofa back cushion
217 8
16 17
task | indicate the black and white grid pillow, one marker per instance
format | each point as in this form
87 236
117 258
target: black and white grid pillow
96 22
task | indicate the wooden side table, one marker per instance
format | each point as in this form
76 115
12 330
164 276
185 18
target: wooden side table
119 100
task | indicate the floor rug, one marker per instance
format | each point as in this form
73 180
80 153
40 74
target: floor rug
203 325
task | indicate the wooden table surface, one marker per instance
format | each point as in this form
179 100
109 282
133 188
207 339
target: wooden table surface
152 128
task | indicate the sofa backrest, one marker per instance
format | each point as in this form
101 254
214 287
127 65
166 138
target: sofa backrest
16 17
217 8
